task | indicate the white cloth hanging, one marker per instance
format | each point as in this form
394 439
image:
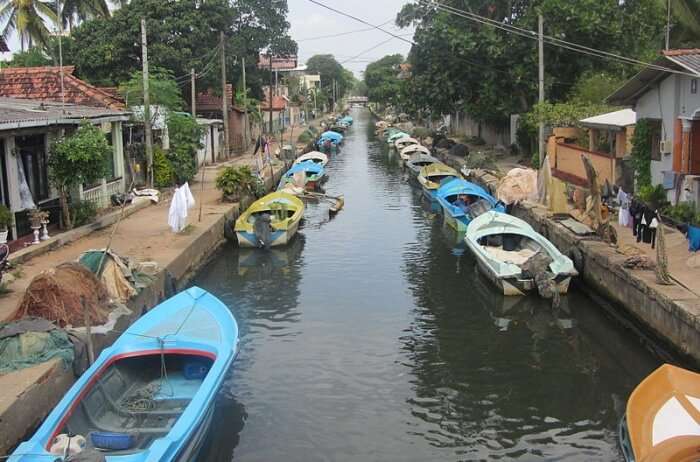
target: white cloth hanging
624 217
26 201
182 201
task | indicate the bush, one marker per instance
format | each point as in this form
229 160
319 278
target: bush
535 161
233 182
185 140
655 196
6 218
683 212
305 138
83 212
163 172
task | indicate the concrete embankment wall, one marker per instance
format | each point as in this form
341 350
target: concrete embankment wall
44 385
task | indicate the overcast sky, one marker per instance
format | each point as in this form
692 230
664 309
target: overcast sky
309 20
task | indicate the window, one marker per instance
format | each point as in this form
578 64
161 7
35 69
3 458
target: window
32 151
694 86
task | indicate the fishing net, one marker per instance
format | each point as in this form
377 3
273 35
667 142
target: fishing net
520 184
28 342
59 293
113 271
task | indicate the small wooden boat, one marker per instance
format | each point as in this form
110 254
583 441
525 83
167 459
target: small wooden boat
403 142
418 161
502 244
271 221
150 396
432 176
329 139
395 136
313 156
462 201
307 174
411 150
662 420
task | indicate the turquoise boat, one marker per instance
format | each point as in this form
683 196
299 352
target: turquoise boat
307 174
150 396
462 201
395 136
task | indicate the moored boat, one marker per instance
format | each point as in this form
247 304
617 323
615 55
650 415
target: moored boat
432 176
403 142
307 174
329 139
412 149
662 419
418 161
150 396
391 139
313 156
503 244
270 221
462 201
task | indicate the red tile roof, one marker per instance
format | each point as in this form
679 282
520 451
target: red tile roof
211 102
682 52
279 103
44 83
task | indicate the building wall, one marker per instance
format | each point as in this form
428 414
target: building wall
463 125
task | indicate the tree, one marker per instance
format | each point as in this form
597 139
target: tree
77 159
33 57
332 73
381 78
162 89
458 64
73 11
685 30
27 18
185 140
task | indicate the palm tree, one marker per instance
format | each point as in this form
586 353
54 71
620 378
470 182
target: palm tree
27 18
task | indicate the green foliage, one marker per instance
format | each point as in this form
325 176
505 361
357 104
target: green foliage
185 140
683 212
535 160
162 89
6 217
641 153
305 137
566 114
83 212
330 71
234 182
381 78
33 57
30 19
420 133
593 87
77 159
163 172
655 196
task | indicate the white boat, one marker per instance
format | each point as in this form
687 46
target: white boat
404 142
407 152
314 156
502 244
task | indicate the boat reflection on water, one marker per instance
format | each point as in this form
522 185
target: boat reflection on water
265 262
454 239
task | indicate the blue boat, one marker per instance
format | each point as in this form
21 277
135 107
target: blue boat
308 175
347 120
329 139
462 201
150 396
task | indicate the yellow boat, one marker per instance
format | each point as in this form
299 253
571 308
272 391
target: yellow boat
270 221
432 176
662 421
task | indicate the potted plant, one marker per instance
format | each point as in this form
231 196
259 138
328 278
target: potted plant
234 182
6 220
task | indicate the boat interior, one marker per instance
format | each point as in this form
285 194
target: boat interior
439 178
276 214
136 401
510 248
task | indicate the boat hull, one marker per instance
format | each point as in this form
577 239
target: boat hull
279 237
514 286
459 224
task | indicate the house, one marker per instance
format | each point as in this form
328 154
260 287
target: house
27 128
666 95
44 84
279 108
605 140
209 105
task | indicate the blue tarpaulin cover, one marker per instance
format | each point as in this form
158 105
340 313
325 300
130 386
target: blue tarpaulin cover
693 238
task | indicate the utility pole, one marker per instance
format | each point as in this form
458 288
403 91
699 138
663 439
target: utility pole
540 43
193 86
269 56
668 25
59 12
146 106
224 98
245 107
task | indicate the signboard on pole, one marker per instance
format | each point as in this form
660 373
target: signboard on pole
279 63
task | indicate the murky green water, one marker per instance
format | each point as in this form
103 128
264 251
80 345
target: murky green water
373 337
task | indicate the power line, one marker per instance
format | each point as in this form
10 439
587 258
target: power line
368 50
341 34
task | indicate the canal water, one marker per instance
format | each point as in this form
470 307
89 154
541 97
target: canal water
373 338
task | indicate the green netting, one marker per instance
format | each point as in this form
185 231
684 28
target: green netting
91 260
31 348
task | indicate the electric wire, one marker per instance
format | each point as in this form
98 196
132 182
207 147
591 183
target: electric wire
341 34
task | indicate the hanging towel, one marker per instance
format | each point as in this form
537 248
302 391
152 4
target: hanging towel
693 238
182 201
624 217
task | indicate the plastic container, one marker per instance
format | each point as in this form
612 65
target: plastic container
112 440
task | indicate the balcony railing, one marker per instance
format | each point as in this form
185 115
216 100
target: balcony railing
101 194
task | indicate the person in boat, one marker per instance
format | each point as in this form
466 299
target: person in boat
463 202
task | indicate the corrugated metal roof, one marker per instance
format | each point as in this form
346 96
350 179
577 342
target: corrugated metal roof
620 119
24 113
690 61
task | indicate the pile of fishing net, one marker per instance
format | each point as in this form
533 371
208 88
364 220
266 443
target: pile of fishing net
58 295
537 267
31 341
114 271
519 184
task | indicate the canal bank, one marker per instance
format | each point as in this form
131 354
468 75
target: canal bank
144 236
667 315
373 337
